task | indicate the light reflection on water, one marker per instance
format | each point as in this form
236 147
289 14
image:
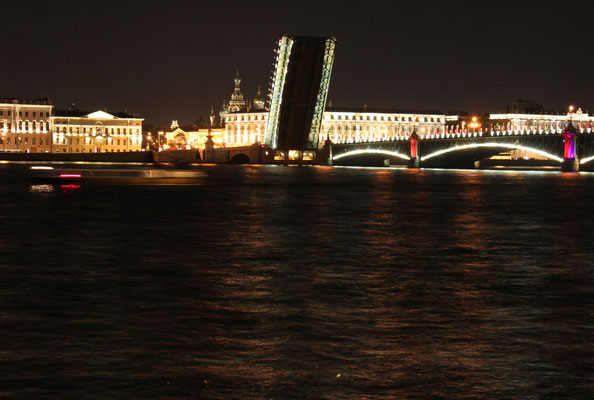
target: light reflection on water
42 189
314 282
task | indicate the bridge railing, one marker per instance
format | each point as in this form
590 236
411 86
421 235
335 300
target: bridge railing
458 135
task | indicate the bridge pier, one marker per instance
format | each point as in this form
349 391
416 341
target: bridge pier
415 160
570 165
414 163
570 159
325 153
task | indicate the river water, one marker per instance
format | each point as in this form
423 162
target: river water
277 282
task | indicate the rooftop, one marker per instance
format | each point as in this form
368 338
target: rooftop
82 113
381 110
16 100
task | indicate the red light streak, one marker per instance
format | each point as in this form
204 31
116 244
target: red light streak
70 175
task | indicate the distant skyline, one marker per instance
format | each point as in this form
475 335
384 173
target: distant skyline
174 60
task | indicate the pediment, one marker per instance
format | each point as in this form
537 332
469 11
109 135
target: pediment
100 115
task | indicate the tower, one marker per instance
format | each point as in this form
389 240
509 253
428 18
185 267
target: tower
211 117
259 100
237 103
223 113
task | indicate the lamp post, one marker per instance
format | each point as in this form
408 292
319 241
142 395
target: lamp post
474 124
159 140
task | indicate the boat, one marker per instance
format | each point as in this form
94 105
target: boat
136 176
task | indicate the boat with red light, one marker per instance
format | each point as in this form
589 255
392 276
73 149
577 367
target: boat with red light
99 176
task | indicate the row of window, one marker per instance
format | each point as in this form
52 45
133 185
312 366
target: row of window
110 141
394 128
383 118
57 150
260 117
98 129
34 125
33 113
24 140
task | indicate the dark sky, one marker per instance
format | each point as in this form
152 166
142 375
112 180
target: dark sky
174 59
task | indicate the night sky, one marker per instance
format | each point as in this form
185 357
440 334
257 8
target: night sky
175 59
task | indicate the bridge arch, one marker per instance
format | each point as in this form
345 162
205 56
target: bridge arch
586 160
240 158
371 151
502 145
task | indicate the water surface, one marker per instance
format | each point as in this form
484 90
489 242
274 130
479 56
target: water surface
272 282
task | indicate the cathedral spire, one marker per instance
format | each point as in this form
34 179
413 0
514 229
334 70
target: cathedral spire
237 103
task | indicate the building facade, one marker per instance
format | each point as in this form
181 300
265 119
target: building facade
97 132
340 126
519 122
25 125
192 136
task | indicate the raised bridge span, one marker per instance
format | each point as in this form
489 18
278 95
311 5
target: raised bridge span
572 148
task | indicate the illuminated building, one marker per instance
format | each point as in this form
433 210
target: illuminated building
97 132
537 123
244 129
25 125
518 121
341 125
363 125
192 136
462 122
241 125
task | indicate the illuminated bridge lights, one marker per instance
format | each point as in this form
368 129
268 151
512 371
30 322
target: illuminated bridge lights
585 160
371 151
503 145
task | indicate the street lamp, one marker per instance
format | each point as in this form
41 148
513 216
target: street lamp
474 124
159 140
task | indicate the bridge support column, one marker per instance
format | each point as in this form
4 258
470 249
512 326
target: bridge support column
570 159
414 163
570 165
209 148
477 164
325 153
